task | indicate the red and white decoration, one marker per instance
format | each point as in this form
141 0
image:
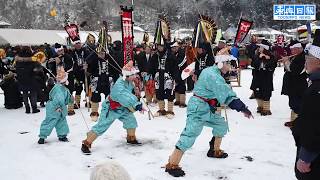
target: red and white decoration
243 29
127 34
73 32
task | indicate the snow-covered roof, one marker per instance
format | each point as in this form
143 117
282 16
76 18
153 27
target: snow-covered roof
37 37
3 23
137 28
265 31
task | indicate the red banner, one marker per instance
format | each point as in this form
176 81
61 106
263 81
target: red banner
73 32
127 34
243 29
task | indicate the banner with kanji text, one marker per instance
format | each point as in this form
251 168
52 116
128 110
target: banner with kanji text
243 29
127 34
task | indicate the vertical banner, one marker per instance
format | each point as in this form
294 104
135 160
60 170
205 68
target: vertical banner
127 34
73 32
244 27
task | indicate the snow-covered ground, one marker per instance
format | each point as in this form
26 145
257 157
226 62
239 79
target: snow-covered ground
265 139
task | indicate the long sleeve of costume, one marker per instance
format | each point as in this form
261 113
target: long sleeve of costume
211 85
256 62
196 69
153 65
271 63
174 67
297 65
122 93
68 62
307 156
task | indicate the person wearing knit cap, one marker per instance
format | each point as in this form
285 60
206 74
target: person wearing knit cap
120 104
294 79
209 90
306 127
262 82
56 109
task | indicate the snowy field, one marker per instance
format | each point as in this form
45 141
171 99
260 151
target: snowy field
265 139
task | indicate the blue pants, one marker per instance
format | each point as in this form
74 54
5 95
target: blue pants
54 120
199 115
107 117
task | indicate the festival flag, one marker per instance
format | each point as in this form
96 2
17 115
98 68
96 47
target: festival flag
244 27
73 32
127 34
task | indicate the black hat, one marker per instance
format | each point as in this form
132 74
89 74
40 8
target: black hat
57 45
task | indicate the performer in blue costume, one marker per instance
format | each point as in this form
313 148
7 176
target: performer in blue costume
120 104
56 109
209 90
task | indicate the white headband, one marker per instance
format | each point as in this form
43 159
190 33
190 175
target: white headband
297 45
126 73
266 47
313 50
224 58
58 49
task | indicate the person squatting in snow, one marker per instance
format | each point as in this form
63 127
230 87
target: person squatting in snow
209 90
56 109
120 104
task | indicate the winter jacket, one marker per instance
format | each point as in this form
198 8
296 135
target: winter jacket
12 95
26 76
295 82
306 130
263 74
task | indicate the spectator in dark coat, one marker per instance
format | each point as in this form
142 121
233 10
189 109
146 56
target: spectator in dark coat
306 129
294 81
12 95
26 79
262 82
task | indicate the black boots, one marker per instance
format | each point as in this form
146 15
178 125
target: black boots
215 151
85 148
132 140
174 170
28 109
35 110
41 141
64 139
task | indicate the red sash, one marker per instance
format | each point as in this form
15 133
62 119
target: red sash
113 104
211 102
